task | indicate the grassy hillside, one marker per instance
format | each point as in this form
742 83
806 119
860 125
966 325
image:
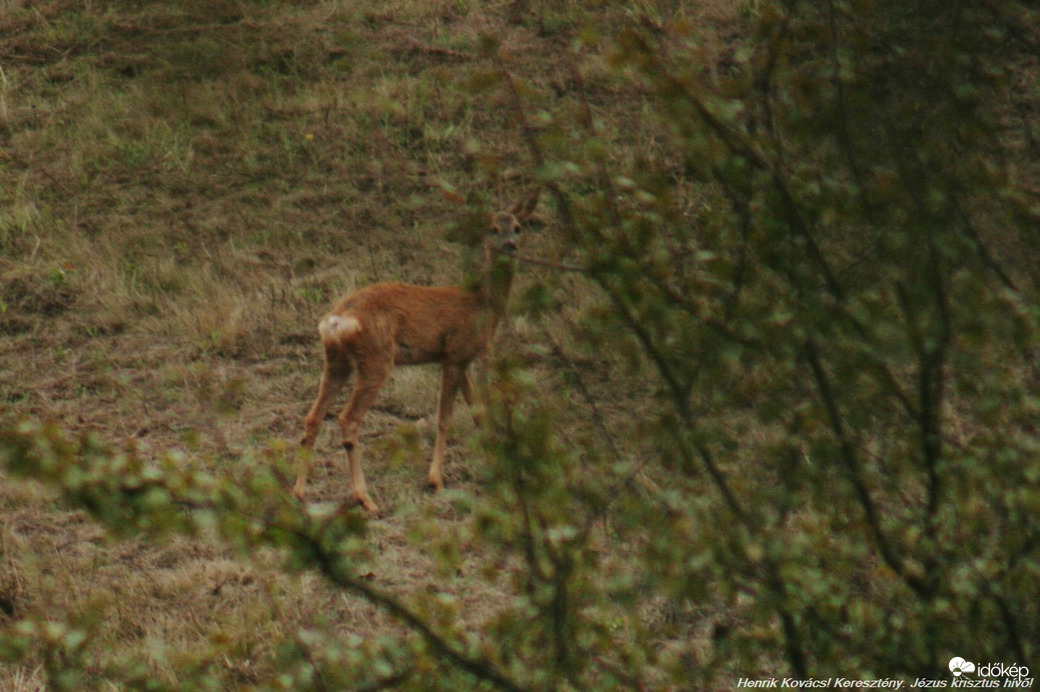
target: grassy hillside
186 187
780 422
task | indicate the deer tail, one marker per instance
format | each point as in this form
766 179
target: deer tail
338 328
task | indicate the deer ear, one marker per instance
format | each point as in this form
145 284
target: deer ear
523 210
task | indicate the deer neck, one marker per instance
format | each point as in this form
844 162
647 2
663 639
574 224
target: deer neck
496 281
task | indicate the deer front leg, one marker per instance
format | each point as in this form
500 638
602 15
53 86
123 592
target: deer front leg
370 380
451 380
476 408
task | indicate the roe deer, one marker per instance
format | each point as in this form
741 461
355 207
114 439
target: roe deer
387 324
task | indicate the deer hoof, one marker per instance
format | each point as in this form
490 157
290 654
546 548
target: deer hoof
366 503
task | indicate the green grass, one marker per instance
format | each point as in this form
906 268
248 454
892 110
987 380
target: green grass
185 187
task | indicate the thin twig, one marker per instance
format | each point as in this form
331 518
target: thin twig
421 47
328 565
552 265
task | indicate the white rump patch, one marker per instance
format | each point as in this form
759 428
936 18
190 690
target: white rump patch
338 327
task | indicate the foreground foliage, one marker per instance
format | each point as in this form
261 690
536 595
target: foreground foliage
821 267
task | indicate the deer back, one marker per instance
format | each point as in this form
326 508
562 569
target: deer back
415 324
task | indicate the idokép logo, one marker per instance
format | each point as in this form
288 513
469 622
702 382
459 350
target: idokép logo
989 674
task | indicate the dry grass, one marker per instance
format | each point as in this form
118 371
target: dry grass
184 188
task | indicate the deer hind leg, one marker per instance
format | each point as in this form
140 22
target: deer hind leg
337 372
453 378
371 378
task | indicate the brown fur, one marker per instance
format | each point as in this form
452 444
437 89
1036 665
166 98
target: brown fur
388 324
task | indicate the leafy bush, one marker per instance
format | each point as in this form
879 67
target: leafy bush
819 266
